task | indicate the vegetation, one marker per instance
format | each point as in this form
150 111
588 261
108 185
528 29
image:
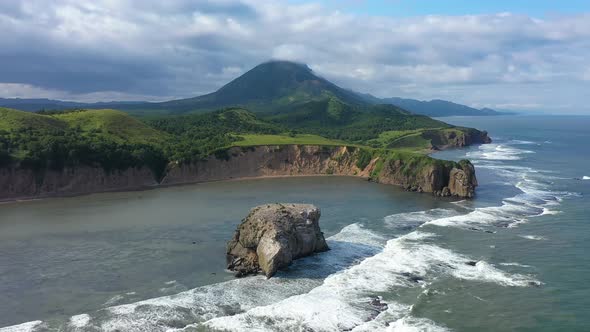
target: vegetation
85 137
304 139
357 124
114 140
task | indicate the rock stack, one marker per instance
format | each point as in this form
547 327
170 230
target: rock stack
272 236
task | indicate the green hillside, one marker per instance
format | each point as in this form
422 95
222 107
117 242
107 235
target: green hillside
357 124
116 125
107 138
303 139
15 120
276 102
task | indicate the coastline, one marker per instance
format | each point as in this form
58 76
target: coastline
240 164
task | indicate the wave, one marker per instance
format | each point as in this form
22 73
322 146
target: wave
24 327
522 142
360 267
349 247
79 321
585 177
343 300
498 152
412 220
536 198
533 237
515 264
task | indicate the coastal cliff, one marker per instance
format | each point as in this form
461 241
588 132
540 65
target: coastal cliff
412 172
24 183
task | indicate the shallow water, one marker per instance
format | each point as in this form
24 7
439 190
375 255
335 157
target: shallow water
512 259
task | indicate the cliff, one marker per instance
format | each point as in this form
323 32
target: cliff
22 183
413 172
456 137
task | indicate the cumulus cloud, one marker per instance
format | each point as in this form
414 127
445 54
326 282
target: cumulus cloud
156 50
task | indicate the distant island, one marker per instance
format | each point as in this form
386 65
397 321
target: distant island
288 122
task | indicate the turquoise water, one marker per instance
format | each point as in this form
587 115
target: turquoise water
513 259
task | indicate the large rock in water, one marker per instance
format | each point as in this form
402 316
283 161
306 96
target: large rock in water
272 236
462 181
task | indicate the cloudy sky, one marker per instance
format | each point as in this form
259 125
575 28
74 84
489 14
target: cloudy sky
532 55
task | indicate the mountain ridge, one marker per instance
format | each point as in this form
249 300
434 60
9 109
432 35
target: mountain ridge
271 86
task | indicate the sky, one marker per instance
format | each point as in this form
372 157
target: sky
514 55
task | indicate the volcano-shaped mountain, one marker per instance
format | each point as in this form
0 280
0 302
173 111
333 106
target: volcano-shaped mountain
268 86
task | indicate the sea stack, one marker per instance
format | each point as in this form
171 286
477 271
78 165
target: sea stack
272 236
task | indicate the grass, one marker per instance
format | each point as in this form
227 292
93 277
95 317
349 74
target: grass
402 139
116 125
13 120
420 140
254 140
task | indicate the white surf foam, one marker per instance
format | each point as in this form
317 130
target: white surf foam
547 211
411 220
533 237
585 177
341 302
24 327
350 246
397 318
514 264
114 300
79 321
535 199
498 152
522 142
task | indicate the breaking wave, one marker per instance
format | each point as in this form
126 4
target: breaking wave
345 300
498 152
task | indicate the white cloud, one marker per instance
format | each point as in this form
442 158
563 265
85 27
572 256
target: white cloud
156 49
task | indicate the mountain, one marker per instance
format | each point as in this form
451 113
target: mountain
274 86
38 104
268 86
34 105
438 107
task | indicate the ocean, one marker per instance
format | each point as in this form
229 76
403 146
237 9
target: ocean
515 258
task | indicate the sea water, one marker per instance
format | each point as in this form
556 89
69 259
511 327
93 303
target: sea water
513 258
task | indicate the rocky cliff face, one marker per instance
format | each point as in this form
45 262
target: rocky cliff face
272 236
19 183
440 178
462 181
260 161
316 160
457 138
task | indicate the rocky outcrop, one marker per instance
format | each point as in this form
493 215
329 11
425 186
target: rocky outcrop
272 236
454 138
462 181
414 173
440 178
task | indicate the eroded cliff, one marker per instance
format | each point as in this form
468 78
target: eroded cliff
413 172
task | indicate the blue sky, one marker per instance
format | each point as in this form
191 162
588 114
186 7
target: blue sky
405 8
517 55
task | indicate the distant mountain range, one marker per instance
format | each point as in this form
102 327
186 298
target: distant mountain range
275 86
